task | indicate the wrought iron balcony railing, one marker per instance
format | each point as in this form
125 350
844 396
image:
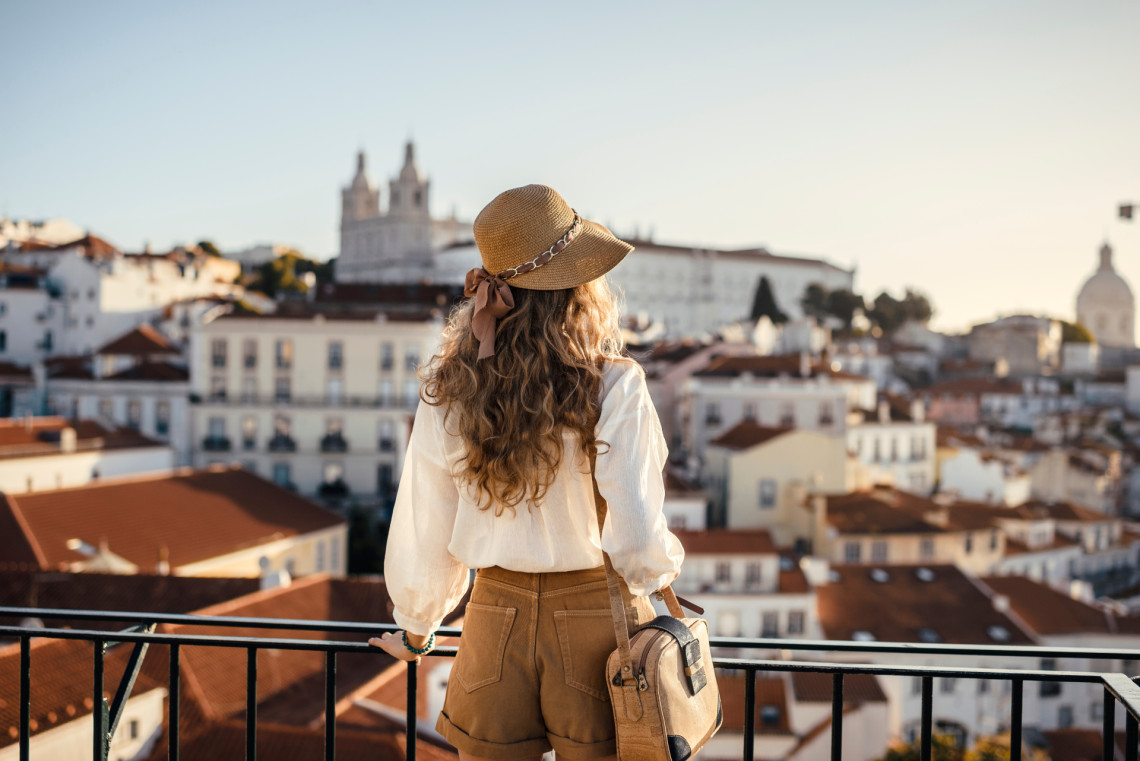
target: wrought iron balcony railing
1117 688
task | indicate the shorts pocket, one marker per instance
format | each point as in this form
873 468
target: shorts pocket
586 638
482 645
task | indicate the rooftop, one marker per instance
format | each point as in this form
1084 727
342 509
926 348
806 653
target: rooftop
142 341
747 434
727 542
42 436
768 367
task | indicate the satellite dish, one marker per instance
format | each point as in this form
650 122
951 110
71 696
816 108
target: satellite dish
263 563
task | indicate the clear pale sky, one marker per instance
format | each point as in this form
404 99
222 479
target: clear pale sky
973 150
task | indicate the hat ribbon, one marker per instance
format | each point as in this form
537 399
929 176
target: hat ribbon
493 297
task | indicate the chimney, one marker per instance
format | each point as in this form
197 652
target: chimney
162 567
884 411
67 440
805 365
917 411
1001 603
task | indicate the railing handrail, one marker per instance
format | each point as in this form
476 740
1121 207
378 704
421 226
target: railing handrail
738 643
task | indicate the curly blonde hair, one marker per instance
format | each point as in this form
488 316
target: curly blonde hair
545 378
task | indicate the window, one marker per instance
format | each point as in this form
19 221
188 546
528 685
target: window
879 551
1065 717
249 353
894 449
282 389
877 454
1049 689
218 388
249 432
411 392
334 554
767 492
916 685
162 418
826 414
335 391
133 727
218 353
336 355
384 480
107 409
320 557
993 540
282 426
787 415
386 354
333 472
284 354
134 414
983 686
795 622
926 548
723 571
411 358
770 715
281 475
3 340
386 441
752 576
749 411
91 297
712 414
249 389
852 552
217 427
969 543
769 624
385 393
947 684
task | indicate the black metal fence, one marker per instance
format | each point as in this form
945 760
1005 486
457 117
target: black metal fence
1117 688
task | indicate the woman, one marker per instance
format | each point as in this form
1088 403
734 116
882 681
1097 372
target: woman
528 390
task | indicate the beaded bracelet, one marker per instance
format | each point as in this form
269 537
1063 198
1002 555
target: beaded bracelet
419 650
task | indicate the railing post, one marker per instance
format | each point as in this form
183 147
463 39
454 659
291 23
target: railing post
413 683
1130 738
1109 749
175 684
837 717
1015 720
927 715
330 705
98 706
251 704
25 696
749 714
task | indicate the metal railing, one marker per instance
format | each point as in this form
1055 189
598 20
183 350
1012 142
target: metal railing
1117 688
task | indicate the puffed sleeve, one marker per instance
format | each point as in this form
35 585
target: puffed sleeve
635 534
424 580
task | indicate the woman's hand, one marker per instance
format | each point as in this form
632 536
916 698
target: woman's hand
393 645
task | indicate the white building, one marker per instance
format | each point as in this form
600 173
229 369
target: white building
253 257
983 475
397 244
894 442
53 453
1105 305
319 403
51 232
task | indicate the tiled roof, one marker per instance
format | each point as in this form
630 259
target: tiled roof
61 684
767 367
1015 547
153 371
671 352
747 434
89 245
69 368
973 387
815 687
948 437
881 510
1046 610
128 592
1062 511
792 579
12 370
142 341
40 436
196 516
723 541
900 603
770 694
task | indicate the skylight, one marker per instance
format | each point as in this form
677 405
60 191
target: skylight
998 633
880 575
862 636
924 574
929 635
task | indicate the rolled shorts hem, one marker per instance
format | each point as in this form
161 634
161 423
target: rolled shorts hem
486 748
579 751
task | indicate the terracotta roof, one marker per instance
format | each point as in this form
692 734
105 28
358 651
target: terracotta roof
677 484
61 679
89 245
770 693
670 352
69 368
12 370
1062 511
911 601
196 515
1015 547
977 516
882 510
131 592
815 687
142 341
948 437
724 541
40 436
747 434
792 579
974 387
1046 610
152 371
767 367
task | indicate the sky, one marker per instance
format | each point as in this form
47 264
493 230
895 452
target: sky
974 151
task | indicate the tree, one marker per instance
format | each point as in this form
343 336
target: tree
283 274
842 304
916 306
886 312
1076 333
814 302
208 247
942 748
764 303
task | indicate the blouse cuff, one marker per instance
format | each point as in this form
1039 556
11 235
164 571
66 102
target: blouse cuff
415 625
651 585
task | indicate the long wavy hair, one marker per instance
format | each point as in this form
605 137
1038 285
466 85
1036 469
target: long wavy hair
545 378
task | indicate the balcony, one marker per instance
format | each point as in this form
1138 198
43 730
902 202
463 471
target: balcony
309 400
216 444
337 489
282 443
1116 688
334 442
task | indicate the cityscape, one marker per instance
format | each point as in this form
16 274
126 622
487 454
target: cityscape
218 428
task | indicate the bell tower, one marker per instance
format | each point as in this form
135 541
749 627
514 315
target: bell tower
361 199
408 192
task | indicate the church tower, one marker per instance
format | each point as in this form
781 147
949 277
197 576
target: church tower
408 192
1106 306
361 199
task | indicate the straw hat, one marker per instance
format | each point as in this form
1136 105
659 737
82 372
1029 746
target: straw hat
523 223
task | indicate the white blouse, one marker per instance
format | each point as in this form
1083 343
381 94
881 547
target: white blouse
438 532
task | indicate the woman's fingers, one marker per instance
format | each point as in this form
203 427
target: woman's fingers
393 645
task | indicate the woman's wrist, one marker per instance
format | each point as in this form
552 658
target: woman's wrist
418 641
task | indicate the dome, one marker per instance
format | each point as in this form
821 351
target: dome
1105 288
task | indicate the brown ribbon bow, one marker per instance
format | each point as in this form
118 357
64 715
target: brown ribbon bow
493 299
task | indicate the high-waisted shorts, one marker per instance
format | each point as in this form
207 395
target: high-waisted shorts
530 673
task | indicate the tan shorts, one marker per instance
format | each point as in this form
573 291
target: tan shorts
530 673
